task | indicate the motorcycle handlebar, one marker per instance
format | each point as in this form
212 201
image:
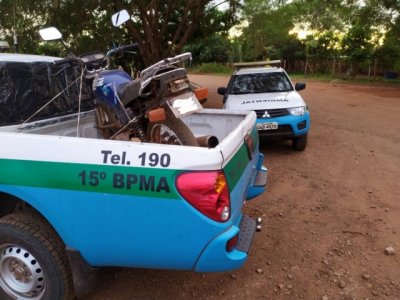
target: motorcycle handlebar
67 60
133 46
89 59
123 48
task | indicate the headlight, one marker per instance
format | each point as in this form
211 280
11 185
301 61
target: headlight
297 111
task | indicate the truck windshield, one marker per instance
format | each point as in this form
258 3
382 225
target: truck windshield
260 83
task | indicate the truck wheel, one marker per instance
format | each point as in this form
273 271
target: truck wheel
33 263
171 131
299 143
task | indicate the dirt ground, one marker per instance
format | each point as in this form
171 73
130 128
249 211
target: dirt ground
328 215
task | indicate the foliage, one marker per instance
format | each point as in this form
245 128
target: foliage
267 36
355 44
215 48
322 46
21 20
214 68
163 28
160 27
389 54
324 15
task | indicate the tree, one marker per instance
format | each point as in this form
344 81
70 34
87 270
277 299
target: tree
323 15
19 20
321 48
82 23
160 27
163 27
389 53
356 46
214 48
267 35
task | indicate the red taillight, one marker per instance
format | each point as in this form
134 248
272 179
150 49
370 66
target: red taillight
208 192
231 244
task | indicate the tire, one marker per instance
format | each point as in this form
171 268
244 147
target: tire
33 263
299 143
171 131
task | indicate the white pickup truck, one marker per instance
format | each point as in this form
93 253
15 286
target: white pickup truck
281 111
71 201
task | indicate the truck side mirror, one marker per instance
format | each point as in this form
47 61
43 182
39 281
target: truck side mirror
300 86
221 91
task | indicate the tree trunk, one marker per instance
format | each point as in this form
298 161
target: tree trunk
150 30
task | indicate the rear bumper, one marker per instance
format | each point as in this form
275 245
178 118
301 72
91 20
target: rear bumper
288 126
215 258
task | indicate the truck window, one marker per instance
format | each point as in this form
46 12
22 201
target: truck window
260 83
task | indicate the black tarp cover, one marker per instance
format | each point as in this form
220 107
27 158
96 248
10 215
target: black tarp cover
25 87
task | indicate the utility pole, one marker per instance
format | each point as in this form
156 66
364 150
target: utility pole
15 40
14 30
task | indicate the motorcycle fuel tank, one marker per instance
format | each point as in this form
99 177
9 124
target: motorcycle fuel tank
106 85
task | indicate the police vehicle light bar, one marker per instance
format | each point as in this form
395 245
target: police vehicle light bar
257 64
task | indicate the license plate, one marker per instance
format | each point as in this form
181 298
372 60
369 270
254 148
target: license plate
267 126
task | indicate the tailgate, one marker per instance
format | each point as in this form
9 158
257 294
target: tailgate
243 164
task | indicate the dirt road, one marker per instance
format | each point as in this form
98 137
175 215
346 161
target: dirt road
329 212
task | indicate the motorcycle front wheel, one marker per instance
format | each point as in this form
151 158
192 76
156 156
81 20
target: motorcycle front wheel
107 121
171 131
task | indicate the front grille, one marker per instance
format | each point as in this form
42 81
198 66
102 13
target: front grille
279 112
283 129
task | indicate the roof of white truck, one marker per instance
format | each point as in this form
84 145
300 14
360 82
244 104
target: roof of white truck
27 58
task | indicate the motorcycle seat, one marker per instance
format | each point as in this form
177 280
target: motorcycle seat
129 91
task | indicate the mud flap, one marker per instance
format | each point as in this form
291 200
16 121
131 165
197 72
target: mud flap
257 187
84 276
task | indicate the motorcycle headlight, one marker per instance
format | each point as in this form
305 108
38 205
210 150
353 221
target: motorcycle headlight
297 111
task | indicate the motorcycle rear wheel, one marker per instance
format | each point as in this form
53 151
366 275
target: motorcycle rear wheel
171 131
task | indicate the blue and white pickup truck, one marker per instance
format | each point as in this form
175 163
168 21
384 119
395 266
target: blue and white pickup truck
267 90
71 202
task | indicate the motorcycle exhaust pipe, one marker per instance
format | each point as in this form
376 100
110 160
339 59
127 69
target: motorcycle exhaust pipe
209 141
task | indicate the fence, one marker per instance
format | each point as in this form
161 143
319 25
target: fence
338 67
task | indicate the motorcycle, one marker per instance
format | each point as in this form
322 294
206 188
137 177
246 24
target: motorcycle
148 108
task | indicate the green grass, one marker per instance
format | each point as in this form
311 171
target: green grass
212 68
